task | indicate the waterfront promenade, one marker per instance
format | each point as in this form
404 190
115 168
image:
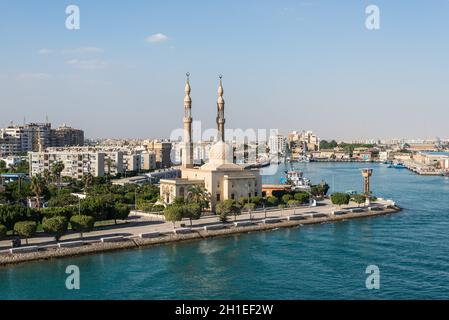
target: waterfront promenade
128 235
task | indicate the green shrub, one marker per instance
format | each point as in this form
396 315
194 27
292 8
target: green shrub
25 229
256 200
56 226
250 206
340 198
82 223
359 198
3 231
293 203
302 197
243 200
272 201
286 198
11 214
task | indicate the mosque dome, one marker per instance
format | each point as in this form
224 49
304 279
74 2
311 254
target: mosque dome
221 153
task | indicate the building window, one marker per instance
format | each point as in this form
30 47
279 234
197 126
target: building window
218 197
232 196
249 195
255 194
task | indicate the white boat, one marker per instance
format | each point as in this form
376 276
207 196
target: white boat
297 181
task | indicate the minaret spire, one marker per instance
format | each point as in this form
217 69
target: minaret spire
187 150
220 112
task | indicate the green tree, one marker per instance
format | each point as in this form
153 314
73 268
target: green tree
87 180
82 223
199 194
340 198
272 201
3 231
25 229
319 190
2 166
173 213
223 211
243 200
120 211
302 197
46 175
286 198
256 200
56 226
63 200
193 211
56 170
38 187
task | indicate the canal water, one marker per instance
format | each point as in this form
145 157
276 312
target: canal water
325 261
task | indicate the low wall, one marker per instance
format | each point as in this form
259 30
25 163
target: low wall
136 242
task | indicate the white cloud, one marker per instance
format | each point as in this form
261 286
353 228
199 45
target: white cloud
45 51
157 37
33 76
83 50
88 64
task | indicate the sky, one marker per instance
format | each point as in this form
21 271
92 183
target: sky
286 65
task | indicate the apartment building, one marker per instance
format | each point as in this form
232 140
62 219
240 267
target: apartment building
16 139
76 164
162 150
277 144
148 160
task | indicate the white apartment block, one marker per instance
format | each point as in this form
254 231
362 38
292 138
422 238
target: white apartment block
76 164
277 144
132 162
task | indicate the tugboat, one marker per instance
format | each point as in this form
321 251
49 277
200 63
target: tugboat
296 180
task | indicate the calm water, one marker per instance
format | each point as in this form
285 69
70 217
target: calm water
313 262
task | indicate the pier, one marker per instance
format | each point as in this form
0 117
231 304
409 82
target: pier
145 232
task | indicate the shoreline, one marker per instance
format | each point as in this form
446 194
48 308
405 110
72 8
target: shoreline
196 234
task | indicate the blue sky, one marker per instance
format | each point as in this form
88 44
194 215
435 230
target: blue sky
290 65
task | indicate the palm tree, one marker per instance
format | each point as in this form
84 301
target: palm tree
87 180
198 194
56 170
38 187
47 176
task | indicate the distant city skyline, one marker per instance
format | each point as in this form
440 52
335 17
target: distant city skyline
287 65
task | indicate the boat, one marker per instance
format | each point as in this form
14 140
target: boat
296 180
397 165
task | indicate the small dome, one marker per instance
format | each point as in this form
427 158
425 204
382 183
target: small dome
220 153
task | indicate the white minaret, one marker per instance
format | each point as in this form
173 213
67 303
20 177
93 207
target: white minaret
187 149
220 112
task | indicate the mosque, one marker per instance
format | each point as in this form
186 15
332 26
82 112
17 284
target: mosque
222 178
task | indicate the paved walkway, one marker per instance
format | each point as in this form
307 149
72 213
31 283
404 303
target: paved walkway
141 224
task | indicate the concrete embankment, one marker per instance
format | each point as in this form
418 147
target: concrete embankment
194 234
